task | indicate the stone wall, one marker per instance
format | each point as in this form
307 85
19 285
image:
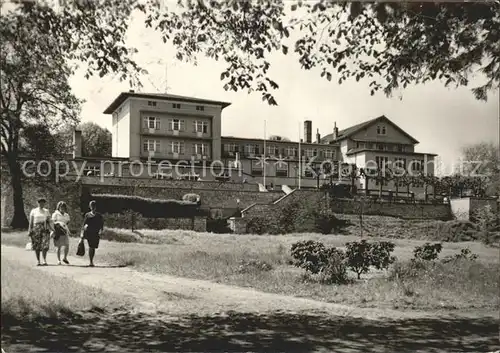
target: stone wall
198 224
345 206
214 195
211 198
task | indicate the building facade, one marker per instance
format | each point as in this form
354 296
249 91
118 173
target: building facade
159 127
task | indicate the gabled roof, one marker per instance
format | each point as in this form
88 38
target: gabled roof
346 133
122 97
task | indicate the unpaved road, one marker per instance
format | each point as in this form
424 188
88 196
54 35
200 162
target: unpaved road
177 314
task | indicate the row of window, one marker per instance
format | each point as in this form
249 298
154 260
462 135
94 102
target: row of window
152 122
276 151
381 130
150 145
381 146
417 165
176 105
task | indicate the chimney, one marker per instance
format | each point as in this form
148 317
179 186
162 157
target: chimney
77 144
308 131
335 131
318 136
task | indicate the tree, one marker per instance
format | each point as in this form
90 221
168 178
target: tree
96 140
38 44
34 92
482 160
391 44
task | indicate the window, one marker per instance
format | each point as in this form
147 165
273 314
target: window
417 165
291 152
329 154
152 103
200 107
176 125
282 169
381 162
401 148
310 152
152 122
151 145
176 105
176 147
201 126
231 147
380 146
257 168
272 150
400 163
201 148
381 130
251 149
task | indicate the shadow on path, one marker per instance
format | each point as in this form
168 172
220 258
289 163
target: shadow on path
245 332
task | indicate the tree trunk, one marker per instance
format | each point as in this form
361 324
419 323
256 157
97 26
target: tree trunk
19 219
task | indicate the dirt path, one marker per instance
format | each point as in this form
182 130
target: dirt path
219 307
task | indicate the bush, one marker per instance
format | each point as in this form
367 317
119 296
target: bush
361 255
335 270
465 254
427 252
325 221
151 208
310 255
218 225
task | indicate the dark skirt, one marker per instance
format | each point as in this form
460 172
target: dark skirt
40 237
92 239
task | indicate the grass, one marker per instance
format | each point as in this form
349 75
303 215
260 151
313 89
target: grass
263 263
27 292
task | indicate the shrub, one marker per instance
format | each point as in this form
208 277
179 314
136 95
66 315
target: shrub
465 254
310 255
153 208
358 257
325 221
218 225
380 255
427 252
361 255
257 225
335 270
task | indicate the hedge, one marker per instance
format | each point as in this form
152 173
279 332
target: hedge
149 208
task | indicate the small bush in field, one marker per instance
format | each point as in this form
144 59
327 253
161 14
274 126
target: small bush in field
335 270
361 255
260 225
315 258
358 257
380 254
310 255
427 252
465 254
325 221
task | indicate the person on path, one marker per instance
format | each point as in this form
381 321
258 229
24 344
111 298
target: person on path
39 231
93 225
60 219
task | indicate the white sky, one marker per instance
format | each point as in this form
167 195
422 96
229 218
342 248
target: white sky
442 119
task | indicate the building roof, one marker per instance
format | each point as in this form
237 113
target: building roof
253 139
346 133
122 97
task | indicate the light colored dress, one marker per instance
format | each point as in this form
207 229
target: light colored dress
40 231
63 220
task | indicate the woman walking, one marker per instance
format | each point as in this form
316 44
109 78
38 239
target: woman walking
61 233
39 230
93 225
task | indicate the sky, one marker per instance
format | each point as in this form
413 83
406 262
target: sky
442 119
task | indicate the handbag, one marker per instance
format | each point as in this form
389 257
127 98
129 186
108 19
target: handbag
80 251
29 246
